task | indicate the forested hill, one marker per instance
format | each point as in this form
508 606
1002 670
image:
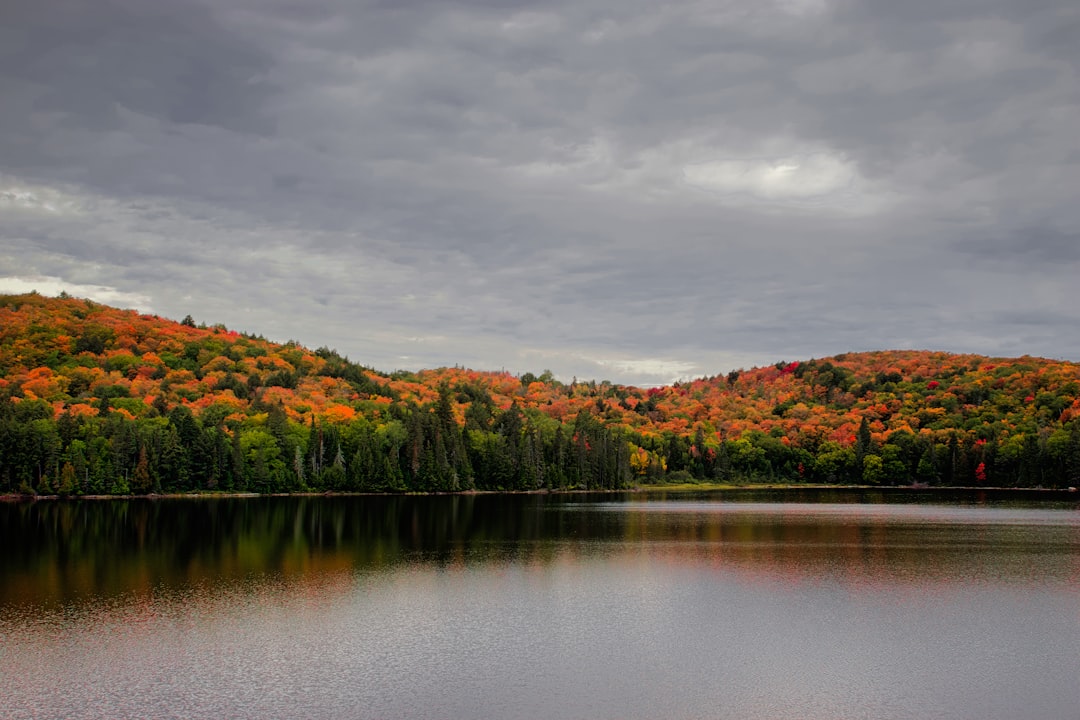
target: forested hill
99 400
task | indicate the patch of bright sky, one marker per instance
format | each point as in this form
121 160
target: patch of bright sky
16 196
774 179
661 367
809 179
53 286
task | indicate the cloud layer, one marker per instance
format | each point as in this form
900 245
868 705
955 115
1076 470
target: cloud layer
624 190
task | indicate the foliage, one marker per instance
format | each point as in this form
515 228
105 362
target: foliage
99 400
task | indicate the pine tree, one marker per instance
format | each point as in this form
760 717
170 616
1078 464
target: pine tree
140 479
863 441
68 480
237 470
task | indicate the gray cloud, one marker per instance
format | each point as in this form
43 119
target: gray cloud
1035 247
169 61
629 190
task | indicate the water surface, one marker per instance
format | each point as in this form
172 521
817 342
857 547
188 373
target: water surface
751 605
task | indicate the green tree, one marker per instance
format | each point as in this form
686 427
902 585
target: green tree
873 471
835 463
926 470
262 458
893 466
68 480
140 479
863 441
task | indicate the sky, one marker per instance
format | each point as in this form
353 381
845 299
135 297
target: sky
609 189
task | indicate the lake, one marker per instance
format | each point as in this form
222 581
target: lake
797 604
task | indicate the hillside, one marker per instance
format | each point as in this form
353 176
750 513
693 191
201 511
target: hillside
99 400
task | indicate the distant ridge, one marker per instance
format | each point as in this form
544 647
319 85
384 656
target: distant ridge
96 399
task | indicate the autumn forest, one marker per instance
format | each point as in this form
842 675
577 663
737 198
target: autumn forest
96 400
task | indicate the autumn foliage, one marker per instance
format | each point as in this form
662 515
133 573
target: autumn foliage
95 399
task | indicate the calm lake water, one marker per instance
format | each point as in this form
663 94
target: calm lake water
733 605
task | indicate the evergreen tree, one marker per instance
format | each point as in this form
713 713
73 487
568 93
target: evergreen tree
237 465
141 480
863 441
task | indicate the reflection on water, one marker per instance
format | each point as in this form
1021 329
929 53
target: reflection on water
522 606
58 552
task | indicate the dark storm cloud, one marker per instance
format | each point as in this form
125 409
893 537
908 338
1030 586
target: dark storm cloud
623 189
170 61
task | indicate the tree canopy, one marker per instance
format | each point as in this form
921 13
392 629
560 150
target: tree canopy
99 400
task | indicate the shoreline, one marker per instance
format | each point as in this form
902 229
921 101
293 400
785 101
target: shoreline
677 488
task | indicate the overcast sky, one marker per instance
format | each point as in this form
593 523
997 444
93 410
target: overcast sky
611 189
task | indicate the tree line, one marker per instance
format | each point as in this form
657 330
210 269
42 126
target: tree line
420 448
423 448
96 400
